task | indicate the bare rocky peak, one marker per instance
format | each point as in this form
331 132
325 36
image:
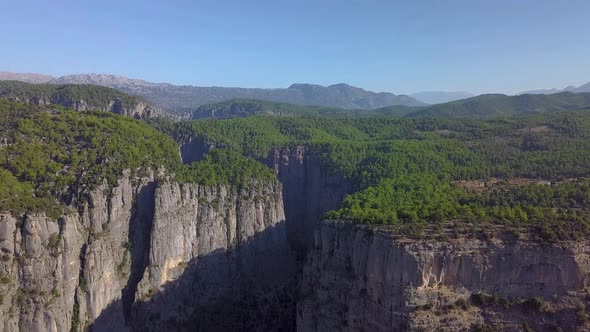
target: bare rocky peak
25 77
104 80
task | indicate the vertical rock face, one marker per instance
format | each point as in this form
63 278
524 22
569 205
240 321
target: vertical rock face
39 270
309 191
138 110
214 251
213 246
60 274
360 279
113 216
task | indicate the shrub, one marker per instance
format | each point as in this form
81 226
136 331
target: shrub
54 240
4 279
480 299
527 328
581 315
462 303
535 304
21 296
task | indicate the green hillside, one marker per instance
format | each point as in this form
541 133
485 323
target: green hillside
483 106
97 97
51 156
408 170
240 108
496 105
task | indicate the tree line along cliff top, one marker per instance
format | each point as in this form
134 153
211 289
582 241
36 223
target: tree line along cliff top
404 170
52 156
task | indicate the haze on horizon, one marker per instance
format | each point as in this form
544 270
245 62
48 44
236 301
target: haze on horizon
501 46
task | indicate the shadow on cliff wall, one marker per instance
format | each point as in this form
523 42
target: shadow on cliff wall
310 189
247 288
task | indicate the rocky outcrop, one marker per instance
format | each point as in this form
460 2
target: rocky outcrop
138 110
89 268
359 278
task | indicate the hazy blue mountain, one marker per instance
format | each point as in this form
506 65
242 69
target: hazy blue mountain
582 88
571 88
179 97
438 97
25 77
494 105
240 108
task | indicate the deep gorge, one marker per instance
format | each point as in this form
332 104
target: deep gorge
123 230
161 255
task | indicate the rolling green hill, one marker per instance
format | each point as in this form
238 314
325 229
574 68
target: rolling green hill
407 170
495 105
483 106
51 156
240 108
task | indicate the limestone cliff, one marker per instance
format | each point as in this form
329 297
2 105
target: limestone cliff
88 268
65 273
138 110
228 265
360 279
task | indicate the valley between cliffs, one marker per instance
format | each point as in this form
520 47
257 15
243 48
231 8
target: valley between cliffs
156 255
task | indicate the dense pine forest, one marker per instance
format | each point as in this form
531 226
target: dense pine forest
526 171
52 157
522 170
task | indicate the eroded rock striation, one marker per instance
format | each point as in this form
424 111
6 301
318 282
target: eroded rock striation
359 278
101 267
153 254
230 264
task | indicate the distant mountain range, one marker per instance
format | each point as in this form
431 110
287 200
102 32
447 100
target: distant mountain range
182 97
581 88
483 106
496 105
25 77
438 97
95 97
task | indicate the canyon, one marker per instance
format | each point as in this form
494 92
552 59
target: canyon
153 254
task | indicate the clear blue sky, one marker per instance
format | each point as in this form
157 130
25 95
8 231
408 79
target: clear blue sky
401 47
